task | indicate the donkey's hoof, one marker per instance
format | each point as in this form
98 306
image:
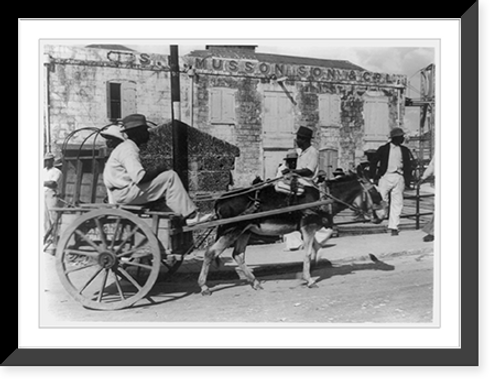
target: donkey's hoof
206 292
312 284
256 285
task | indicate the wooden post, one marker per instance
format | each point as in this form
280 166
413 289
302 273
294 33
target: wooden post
179 131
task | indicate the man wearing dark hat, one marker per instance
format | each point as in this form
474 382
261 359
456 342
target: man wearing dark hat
391 169
308 160
128 182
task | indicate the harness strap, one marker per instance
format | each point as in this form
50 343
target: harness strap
237 193
354 208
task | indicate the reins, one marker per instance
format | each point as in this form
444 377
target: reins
270 182
239 192
352 207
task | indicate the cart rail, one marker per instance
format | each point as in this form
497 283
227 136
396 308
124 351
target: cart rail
256 215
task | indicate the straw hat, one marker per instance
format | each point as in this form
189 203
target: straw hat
49 155
113 131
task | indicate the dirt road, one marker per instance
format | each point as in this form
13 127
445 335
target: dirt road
398 290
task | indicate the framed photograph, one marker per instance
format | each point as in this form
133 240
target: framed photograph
198 255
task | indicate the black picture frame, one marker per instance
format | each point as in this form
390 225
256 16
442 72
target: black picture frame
466 355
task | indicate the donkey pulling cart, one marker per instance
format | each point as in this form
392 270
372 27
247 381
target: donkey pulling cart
109 257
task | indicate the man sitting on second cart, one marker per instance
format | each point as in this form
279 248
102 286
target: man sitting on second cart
130 183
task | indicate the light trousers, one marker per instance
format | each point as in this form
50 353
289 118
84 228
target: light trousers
51 201
392 186
167 184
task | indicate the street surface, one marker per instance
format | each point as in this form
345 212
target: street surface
351 289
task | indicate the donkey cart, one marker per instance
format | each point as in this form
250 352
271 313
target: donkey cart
109 257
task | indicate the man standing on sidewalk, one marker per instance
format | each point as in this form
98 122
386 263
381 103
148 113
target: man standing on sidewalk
391 169
51 177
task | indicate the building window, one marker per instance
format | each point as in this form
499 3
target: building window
329 110
222 106
376 116
121 99
114 100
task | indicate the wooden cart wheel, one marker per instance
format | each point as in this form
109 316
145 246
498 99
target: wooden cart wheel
108 259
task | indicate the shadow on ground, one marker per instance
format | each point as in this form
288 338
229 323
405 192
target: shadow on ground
170 288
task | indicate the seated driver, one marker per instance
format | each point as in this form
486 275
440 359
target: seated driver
128 182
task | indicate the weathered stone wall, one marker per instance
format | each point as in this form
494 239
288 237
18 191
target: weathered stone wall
76 80
211 161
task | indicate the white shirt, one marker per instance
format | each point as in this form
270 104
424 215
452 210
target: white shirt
309 158
123 167
395 162
52 174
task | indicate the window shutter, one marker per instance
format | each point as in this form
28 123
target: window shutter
216 106
325 113
228 113
329 110
113 100
129 98
108 99
278 129
376 115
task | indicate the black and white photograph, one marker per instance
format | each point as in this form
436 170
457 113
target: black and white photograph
277 183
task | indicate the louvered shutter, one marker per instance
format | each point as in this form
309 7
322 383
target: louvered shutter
376 116
215 106
128 98
278 130
329 110
228 112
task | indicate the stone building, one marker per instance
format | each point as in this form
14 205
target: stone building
254 101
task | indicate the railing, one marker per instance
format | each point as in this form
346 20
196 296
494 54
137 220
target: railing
422 202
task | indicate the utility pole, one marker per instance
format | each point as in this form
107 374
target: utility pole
179 131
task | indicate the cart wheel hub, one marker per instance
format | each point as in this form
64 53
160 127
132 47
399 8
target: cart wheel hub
106 259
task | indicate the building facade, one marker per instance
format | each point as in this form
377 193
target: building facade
255 101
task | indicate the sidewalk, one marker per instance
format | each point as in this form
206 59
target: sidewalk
347 248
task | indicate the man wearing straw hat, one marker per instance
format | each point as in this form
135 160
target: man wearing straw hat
113 135
128 182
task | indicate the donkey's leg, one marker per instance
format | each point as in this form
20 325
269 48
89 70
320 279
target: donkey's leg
239 256
215 250
311 247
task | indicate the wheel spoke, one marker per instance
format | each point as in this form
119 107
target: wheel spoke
119 227
89 241
90 280
78 268
117 282
78 252
101 231
135 248
101 291
126 275
120 247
